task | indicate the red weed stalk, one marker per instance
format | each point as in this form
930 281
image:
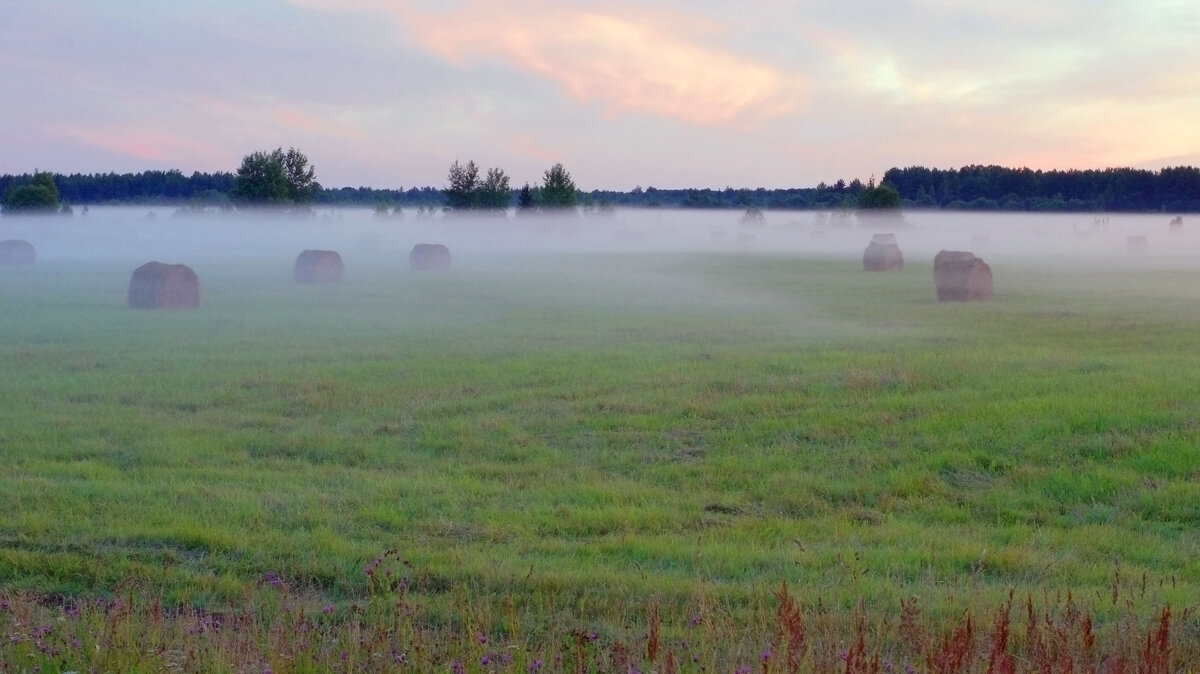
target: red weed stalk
790 630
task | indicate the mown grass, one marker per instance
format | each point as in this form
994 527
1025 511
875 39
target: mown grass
590 432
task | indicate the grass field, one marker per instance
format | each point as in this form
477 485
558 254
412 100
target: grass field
577 440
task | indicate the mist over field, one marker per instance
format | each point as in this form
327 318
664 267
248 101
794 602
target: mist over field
139 233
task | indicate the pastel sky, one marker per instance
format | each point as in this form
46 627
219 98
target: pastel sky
670 93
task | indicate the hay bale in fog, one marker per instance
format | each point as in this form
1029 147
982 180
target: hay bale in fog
960 276
429 257
15 252
318 266
883 254
1137 244
156 285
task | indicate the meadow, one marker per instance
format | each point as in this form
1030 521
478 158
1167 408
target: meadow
546 457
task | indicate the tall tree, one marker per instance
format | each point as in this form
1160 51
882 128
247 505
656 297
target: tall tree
275 178
558 190
261 181
494 193
462 192
39 196
301 178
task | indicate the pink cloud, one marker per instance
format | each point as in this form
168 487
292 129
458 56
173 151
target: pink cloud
317 125
140 142
657 64
528 146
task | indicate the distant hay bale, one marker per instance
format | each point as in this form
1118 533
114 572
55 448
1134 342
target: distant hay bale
429 257
318 266
15 252
156 285
960 276
1137 244
883 254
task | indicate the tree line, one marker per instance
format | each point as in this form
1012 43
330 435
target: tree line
285 178
1022 189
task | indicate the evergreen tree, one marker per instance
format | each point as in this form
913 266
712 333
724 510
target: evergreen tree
527 200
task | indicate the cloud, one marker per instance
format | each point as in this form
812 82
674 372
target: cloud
318 125
628 60
138 142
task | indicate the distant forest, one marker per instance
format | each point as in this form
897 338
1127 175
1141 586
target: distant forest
966 188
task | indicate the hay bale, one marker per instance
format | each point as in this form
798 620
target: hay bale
429 257
318 266
15 252
1137 244
883 254
960 276
156 285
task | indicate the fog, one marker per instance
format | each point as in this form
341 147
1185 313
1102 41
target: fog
137 234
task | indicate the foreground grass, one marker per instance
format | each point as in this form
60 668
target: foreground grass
592 432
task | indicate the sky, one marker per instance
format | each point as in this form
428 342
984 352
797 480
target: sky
664 93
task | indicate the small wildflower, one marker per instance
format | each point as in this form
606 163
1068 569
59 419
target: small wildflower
744 669
766 655
327 609
695 621
486 659
457 667
536 666
482 638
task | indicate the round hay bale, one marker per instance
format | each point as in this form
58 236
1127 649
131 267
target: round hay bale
156 285
429 257
318 266
15 252
960 276
883 254
1137 244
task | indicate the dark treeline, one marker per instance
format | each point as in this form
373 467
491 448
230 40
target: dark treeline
201 189
966 188
999 188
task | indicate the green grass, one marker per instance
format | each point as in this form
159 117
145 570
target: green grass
598 429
